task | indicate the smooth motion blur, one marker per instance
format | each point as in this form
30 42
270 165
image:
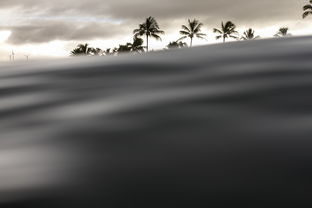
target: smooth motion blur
215 126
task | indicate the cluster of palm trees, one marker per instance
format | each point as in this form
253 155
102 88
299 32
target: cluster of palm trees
85 50
193 29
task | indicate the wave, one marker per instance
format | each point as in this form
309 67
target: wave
218 125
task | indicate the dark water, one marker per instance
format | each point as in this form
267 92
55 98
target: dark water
216 126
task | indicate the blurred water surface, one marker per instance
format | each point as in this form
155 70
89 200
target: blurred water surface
221 125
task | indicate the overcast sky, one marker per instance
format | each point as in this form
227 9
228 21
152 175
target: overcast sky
46 28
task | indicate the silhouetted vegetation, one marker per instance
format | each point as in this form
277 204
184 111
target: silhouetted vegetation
176 44
307 9
96 52
136 46
85 50
110 51
82 50
249 35
282 32
227 30
149 28
191 30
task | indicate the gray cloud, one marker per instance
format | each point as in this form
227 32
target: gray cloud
46 31
211 12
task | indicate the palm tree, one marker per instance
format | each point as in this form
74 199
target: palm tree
249 35
149 28
228 30
282 32
307 9
82 50
193 29
176 44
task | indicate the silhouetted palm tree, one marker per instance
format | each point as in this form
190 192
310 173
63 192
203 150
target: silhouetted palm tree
149 28
82 50
307 9
176 44
282 32
228 30
193 29
249 35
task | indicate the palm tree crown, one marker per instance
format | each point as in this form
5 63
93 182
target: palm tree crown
149 28
249 35
307 9
282 32
193 29
228 30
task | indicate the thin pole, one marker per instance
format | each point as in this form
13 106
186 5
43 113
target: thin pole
13 58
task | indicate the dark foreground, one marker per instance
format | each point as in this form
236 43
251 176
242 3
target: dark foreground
216 126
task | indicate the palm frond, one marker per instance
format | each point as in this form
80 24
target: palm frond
307 7
182 32
201 34
159 32
233 36
215 30
157 37
229 24
136 31
198 27
185 28
305 14
201 37
183 37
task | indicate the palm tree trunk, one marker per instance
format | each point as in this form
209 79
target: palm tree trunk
223 39
191 42
147 43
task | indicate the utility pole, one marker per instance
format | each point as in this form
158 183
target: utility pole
27 57
12 56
